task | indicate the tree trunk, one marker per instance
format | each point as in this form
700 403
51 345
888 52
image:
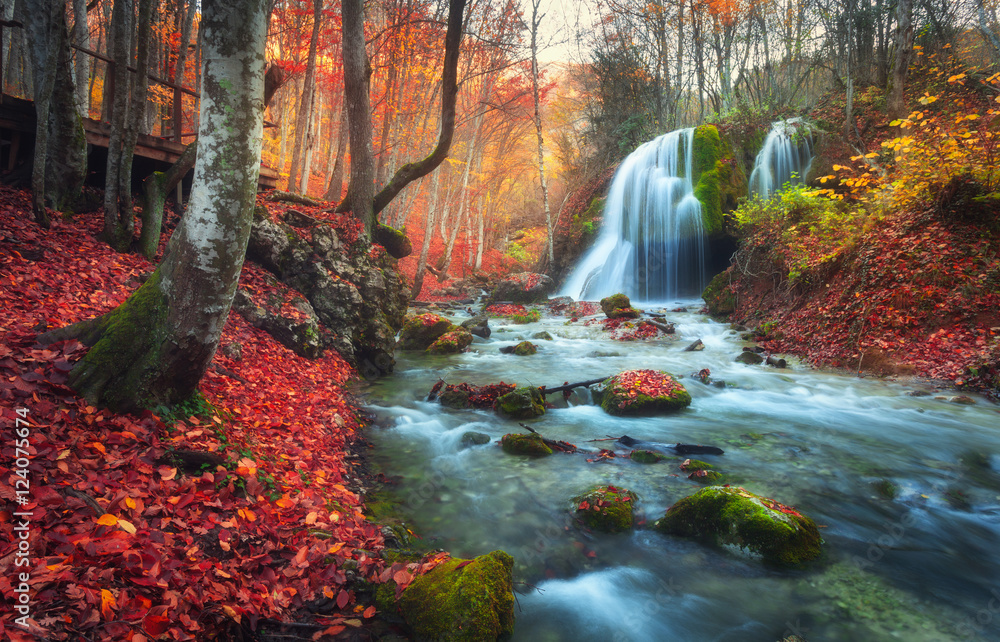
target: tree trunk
986 29
154 348
361 188
81 36
904 50
60 163
336 186
304 117
535 22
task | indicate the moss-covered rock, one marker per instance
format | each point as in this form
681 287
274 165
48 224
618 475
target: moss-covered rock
472 438
717 178
525 348
732 515
454 398
618 306
749 358
530 444
462 600
522 403
642 392
719 296
421 330
646 456
542 336
395 242
606 508
455 340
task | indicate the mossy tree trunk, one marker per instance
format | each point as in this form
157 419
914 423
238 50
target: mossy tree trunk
154 348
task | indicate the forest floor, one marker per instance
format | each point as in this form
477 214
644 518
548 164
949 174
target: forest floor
130 537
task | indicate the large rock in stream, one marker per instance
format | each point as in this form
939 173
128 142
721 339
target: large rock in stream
462 600
357 294
731 515
641 393
524 287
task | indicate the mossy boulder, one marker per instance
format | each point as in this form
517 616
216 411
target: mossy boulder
542 336
719 296
606 508
731 515
618 306
525 348
646 456
717 178
454 398
462 600
522 403
421 330
530 444
472 438
642 393
749 358
455 340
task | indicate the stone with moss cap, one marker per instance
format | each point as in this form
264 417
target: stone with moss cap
606 508
642 392
462 600
719 296
421 330
618 306
646 456
525 348
731 515
455 340
522 403
530 444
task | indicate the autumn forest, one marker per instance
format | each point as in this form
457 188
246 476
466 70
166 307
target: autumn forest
499 319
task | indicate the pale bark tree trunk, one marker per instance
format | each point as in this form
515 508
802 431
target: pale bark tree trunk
462 198
425 247
535 22
60 163
304 118
154 348
986 29
904 50
81 36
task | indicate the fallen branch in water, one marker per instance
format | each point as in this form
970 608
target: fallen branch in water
566 387
561 446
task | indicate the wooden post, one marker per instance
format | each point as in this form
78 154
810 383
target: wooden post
178 125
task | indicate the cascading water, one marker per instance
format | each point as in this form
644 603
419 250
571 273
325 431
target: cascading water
784 158
652 242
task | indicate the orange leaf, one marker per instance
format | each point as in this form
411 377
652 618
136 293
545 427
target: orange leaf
369 612
107 519
107 604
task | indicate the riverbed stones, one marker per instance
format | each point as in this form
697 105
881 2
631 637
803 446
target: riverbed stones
524 287
525 348
478 325
618 306
454 397
531 445
749 358
732 515
472 438
455 340
462 600
522 403
421 330
646 456
606 508
641 393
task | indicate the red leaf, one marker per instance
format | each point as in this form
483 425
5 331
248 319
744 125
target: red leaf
342 599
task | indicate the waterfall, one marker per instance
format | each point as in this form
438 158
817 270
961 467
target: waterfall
652 243
784 158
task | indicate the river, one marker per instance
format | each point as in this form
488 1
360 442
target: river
903 487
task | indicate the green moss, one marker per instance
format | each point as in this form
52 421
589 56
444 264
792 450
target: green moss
542 336
462 600
129 349
454 398
646 456
525 348
530 444
530 317
717 178
455 340
719 298
694 464
421 330
885 488
611 304
606 508
732 515
522 403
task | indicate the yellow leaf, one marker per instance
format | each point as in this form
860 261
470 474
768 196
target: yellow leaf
956 78
311 517
336 547
64 454
107 519
130 502
872 155
126 526
972 117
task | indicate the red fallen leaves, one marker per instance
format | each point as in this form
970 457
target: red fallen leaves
649 383
168 553
506 310
403 573
603 455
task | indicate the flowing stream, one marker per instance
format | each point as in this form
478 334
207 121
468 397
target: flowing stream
903 487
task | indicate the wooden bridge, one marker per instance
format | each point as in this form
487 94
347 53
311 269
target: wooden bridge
152 152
